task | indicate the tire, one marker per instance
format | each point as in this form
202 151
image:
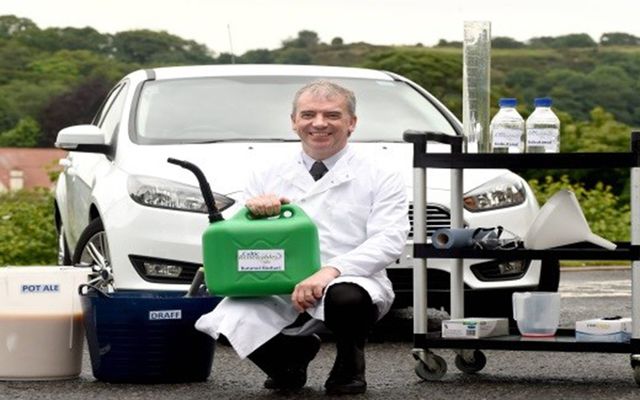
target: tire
64 255
471 367
93 234
636 374
434 373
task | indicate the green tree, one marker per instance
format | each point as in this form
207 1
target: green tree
25 134
602 133
258 56
521 77
570 90
305 40
55 39
440 73
503 42
445 43
27 228
337 42
14 60
9 116
70 67
28 97
10 25
619 39
146 46
225 58
293 55
76 106
541 42
574 40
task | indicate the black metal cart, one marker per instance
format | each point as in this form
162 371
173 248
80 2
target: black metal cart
469 357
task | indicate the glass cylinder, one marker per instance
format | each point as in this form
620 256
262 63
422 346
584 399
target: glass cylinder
476 67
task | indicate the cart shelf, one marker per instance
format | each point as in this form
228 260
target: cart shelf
582 251
564 341
458 160
528 160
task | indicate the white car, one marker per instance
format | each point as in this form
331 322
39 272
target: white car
145 216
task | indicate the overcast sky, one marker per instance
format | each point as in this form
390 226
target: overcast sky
257 24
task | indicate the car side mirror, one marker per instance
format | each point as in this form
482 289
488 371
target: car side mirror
84 138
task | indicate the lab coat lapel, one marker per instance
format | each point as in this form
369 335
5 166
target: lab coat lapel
339 174
297 175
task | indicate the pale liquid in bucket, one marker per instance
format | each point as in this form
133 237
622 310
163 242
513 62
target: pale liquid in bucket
40 347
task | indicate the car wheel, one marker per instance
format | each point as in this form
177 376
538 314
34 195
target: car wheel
64 256
92 248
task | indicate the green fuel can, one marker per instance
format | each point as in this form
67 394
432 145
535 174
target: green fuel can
248 256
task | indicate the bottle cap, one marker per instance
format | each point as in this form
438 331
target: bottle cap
542 102
507 102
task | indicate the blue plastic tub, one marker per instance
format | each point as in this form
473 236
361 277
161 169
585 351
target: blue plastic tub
147 337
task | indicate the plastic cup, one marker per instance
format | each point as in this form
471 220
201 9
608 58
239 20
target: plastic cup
537 313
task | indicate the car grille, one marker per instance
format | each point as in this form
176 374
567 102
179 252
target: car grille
437 217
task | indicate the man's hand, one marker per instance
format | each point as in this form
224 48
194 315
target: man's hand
310 290
266 205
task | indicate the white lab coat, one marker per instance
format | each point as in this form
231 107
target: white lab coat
360 209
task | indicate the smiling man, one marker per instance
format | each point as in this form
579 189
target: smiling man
360 209
324 118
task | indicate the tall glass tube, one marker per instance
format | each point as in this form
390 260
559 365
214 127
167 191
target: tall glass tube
476 80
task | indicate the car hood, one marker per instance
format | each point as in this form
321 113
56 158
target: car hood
227 165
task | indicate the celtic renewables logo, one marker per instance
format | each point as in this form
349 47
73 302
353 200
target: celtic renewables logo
260 260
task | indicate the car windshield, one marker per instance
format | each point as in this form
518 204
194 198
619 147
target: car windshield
251 108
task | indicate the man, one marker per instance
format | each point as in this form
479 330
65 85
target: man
360 209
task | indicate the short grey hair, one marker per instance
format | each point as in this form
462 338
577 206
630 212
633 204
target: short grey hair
326 88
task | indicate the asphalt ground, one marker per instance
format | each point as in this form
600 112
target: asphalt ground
390 366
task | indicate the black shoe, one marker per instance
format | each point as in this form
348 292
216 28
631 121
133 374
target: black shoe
354 386
347 374
270 384
294 376
292 381
343 380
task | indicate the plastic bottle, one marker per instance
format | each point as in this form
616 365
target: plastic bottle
507 128
543 128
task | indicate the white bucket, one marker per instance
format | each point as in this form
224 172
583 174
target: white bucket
537 313
41 330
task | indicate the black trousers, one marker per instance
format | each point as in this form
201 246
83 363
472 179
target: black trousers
349 312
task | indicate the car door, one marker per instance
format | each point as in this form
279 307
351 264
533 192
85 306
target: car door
80 168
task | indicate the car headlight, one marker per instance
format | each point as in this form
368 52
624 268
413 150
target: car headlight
162 193
503 191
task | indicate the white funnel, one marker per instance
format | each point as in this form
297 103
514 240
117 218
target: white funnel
560 222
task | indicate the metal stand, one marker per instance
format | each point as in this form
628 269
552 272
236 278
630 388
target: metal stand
469 358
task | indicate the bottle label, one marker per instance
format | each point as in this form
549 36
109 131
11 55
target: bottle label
506 137
547 138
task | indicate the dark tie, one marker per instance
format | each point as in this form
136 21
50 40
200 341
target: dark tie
318 169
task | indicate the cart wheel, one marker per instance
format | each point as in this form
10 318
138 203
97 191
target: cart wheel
473 365
636 374
433 369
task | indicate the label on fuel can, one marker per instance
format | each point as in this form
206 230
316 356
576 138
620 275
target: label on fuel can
252 260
